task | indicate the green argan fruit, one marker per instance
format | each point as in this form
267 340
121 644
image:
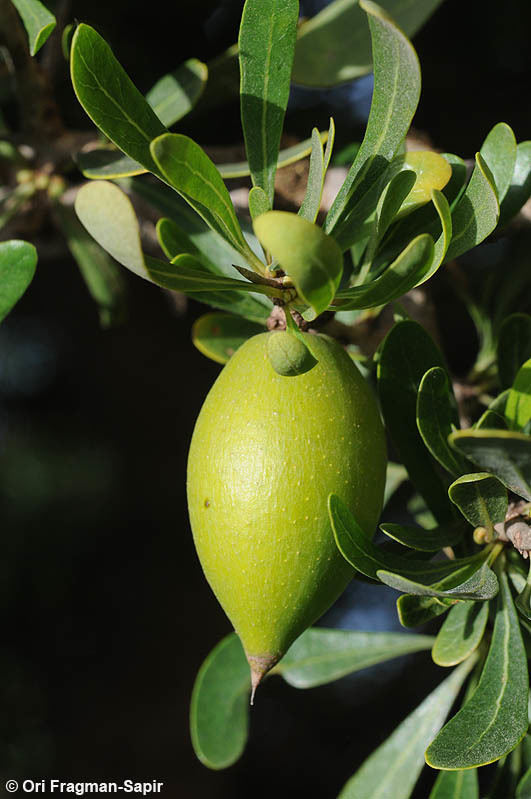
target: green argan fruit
266 452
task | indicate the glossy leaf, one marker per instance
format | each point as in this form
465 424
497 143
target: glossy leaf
307 255
507 455
499 153
395 99
476 214
462 784
520 188
320 655
175 94
401 276
481 498
110 98
424 540
103 277
406 355
219 710
219 335
495 719
437 417
416 610
370 559
18 260
38 21
470 580
518 406
514 346
189 170
334 46
461 633
267 43
392 770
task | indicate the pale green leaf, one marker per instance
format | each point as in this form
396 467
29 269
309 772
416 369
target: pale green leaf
38 21
462 784
481 498
307 255
392 770
499 153
18 260
174 95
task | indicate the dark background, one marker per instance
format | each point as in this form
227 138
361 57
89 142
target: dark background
106 616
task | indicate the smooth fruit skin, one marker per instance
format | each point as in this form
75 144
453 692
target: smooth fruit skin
266 452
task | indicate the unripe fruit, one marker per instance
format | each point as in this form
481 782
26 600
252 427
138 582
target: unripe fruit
266 452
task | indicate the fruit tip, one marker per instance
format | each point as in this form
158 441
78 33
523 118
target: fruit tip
259 665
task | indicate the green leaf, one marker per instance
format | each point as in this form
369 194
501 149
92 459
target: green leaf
432 172
401 276
370 559
316 175
103 277
66 39
106 164
267 42
470 580
189 170
437 417
107 214
18 260
320 655
424 540
481 498
514 346
395 99
494 720
520 188
491 420
110 98
219 710
499 152
308 256
518 407
38 21
476 214
219 335
507 455
389 204
258 202
462 784
406 355
416 610
461 633
175 241
175 94
334 46
290 155
443 241
392 770
523 790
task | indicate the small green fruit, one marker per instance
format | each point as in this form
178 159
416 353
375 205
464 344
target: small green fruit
266 452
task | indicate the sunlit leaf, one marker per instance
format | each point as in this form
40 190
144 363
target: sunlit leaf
307 255
110 98
174 95
38 21
499 152
219 335
267 43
